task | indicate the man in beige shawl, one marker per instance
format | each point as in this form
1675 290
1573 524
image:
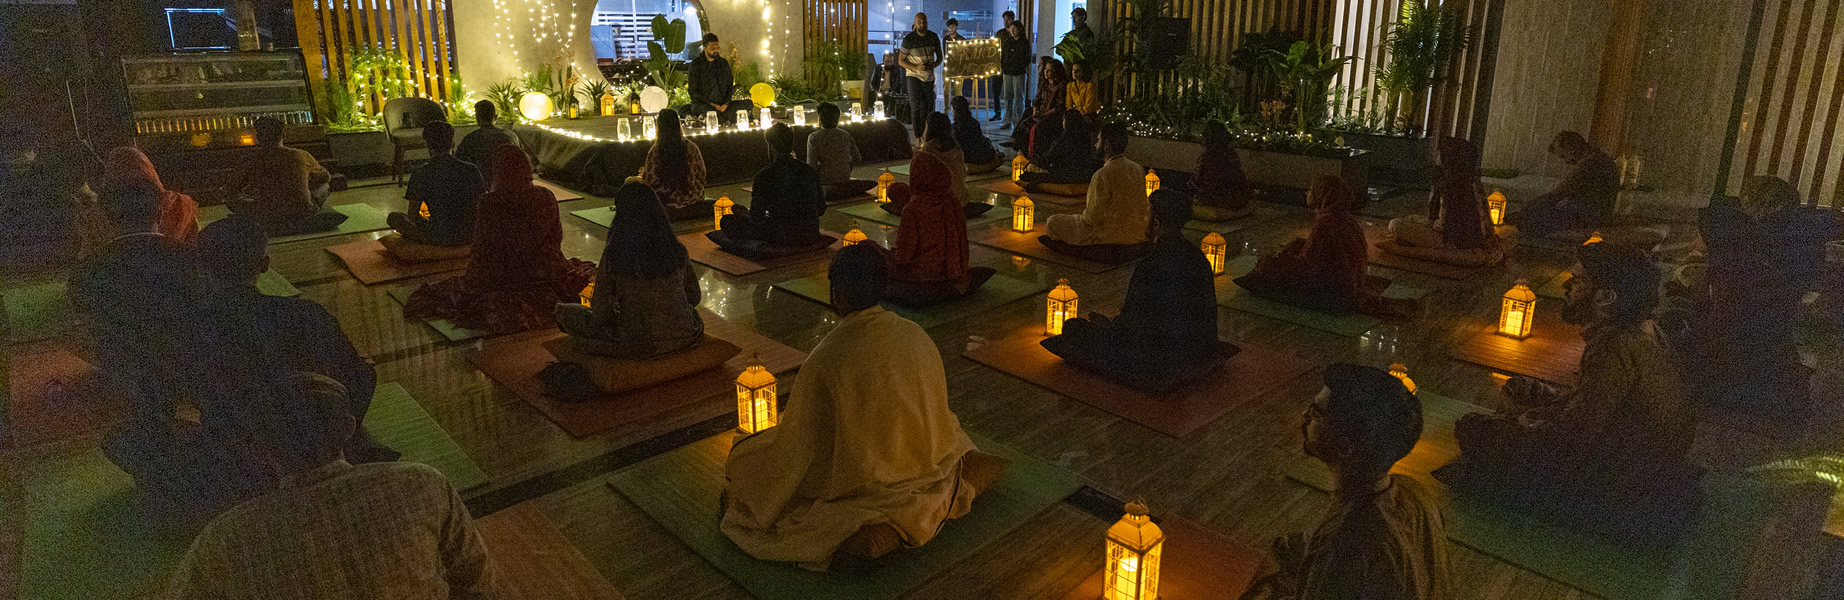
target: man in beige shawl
1117 211
867 457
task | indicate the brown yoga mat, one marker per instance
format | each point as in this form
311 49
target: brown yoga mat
1005 186
372 264
1552 352
705 252
563 195
55 396
1252 372
1027 245
533 559
1374 235
515 361
1196 564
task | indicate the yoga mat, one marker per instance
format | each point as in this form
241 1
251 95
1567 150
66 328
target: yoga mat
1349 324
271 283
1197 564
1252 372
1555 287
360 218
1262 214
212 214
1424 267
873 212
533 559
1007 187
87 533
448 330
600 215
397 421
999 290
1552 352
680 489
1434 450
36 312
54 396
515 361
705 252
371 264
562 194
1026 244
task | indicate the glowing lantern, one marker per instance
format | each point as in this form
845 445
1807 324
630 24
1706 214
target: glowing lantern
536 106
650 127
625 130
768 117
588 292
1134 547
1060 307
723 207
1402 373
755 398
855 236
1018 165
1216 249
800 116
246 139
877 110
572 111
608 105
857 112
742 119
710 120
883 186
1495 203
1520 308
1022 219
1152 182
422 210
1593 238
633 105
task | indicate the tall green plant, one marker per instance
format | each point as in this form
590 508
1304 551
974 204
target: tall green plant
1304 71
505 97
831 63
668 40
1421 45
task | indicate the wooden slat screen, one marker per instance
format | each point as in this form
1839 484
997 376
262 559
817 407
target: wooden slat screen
420 31
842 21
1457 105
1218 26
1793 101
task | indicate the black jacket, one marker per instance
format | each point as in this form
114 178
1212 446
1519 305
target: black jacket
1014 54
711 82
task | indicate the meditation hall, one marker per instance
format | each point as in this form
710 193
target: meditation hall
954 299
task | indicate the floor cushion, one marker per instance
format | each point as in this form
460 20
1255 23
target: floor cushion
758 249
615 375
416 252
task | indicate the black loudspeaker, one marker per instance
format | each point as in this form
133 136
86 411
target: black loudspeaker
1168 40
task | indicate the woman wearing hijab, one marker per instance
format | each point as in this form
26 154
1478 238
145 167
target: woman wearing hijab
938 140
1457 228
645 303
975 147
928 262
1325 270
675 171
1220 191
516 272
1069 161
178 213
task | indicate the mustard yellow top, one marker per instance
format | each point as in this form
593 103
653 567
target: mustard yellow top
1082 97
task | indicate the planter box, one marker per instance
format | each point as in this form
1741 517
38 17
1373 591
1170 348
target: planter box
1398 160
361 154
1264 168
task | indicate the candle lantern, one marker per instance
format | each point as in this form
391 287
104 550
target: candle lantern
857 113
1520 307
755 398
742 118
800 116
768 118
1593 238
1022 219
588 292
651 126
624 129
1495 203
1018 165
1060 307
1402 373
710 121
633 104
1216 249
607 104
1135 544
723 207
855 236
1152 182
877 110
883 185
572 110
422 209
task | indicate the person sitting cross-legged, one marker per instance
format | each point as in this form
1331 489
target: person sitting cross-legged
645 303
1116 218
938 141
1582 200
674 168
178 219
1219 187
478 146
333 529
1611 452
1068 162
443 195
1385 536
975 147
1325 271
832 152
1458 226
1166 332
867 457
284 188
928 263
786 205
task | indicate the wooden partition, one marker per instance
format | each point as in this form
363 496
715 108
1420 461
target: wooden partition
419 31
1790 101
842 21
1458 103
1217 28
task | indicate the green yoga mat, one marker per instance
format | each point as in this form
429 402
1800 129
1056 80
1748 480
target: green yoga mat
448 330
1003 168
600 216
271 283
360 218
870 211
87 535
679 490
997 291
1350 325
1263 213
36 312
397 421
1555 288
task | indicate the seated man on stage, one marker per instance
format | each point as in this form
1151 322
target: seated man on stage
478 146
1582 200
1386 536
832 152
1068 163
1117 213
928 263
1612 450
711 83
292 333
1220 188
1458 226
284 188
645 303
867 457
1324 271
442 195
787 202
1166 332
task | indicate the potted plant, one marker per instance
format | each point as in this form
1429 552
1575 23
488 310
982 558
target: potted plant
1421 46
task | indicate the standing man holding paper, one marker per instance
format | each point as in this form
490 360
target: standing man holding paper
921 53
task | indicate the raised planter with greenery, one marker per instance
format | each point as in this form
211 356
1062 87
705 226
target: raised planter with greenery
1273 161
1422 47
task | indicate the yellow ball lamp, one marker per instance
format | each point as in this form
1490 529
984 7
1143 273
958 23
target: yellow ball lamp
762 95
536 106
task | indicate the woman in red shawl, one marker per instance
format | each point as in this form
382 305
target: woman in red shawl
1325 270
516 272
928 262
1220 190
178 213
1457 218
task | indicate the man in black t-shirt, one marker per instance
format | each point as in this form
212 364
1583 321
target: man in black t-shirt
711 84
921 53
442 195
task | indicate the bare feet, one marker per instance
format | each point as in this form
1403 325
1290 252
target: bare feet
981 470
870 543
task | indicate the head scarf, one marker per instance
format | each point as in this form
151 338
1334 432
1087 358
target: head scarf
1764 196
517 237
1462 209
931 244
178 213
1336 247
511 169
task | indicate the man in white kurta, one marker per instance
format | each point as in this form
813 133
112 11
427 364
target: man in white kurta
1117 211
867 456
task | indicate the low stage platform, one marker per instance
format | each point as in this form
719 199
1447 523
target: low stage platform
584 154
